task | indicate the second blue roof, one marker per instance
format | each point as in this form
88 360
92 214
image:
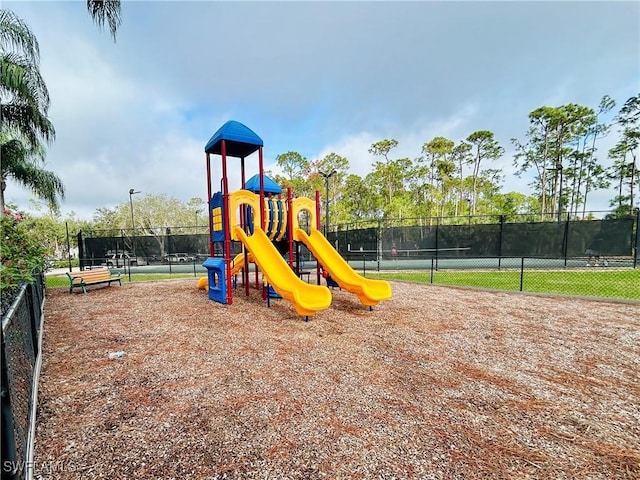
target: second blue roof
253 185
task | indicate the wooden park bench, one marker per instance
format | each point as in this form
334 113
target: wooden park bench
91 277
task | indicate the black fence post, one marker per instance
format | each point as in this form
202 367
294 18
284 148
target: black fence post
437 230
66 226
168 235
565 240
431 277
379 243
501 232
80 252
521 274
636 256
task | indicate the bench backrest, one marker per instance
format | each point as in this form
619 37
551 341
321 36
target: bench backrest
89 276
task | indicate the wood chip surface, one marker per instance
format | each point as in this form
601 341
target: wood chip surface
436 383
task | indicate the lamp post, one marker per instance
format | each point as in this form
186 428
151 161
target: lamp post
132 192
327 176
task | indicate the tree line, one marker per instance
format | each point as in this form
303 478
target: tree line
452 179
447 178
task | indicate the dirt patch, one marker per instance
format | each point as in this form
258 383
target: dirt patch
435 383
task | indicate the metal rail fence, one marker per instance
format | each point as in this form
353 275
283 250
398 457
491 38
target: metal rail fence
614 278
611 237
470 237
433 245
21 345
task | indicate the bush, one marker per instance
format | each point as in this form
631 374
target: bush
21 253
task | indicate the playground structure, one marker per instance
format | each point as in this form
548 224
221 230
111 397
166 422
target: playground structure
259 218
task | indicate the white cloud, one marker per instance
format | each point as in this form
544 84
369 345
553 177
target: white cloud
355 147
313 77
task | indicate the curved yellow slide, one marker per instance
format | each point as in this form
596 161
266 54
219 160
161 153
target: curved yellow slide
307 299
238 262
237 265
369 291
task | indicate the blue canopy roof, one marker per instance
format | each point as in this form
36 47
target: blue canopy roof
240 140
253 185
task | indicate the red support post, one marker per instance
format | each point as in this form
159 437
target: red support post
227 222
317 228
261 167
290 225
262 219
210 194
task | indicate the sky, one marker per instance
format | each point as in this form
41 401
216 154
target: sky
310 77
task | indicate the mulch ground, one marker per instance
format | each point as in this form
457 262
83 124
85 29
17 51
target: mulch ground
436 383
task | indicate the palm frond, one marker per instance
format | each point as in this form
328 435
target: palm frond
102 11
18 164
14 151
19 77
17 35
27 121
43 183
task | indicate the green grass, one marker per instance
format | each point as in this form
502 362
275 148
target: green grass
623 284
595 283
56 281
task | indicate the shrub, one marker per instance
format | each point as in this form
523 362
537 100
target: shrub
21 252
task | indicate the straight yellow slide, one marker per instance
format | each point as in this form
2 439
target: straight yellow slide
307 299
369 291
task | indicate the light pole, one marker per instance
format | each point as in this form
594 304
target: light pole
327 176
132 192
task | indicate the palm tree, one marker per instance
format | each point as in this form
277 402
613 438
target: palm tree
23 94
24 103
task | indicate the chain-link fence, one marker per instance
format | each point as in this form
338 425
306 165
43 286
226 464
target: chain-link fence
613 238
525 274
20 351
437 246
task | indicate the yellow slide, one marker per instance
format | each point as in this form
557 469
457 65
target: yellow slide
369 291
306 298
236 266
238 262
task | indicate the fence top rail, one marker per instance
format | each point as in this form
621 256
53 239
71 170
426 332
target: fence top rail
406 250
6 319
